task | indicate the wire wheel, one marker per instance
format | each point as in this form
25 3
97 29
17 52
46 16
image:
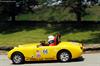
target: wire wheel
17 58
64 56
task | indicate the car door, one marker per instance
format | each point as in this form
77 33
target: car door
46 52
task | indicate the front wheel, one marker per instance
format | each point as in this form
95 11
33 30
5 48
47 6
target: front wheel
64 56
17 58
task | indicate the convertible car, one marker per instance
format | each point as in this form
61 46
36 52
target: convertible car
63 51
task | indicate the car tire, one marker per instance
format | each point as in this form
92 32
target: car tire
64 56
17 58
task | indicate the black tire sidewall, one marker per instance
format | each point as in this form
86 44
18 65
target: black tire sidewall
58 56
22 58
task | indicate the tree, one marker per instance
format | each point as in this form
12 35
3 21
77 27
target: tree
76 7
26 5
7 9
11 8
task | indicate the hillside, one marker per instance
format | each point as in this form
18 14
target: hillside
30 32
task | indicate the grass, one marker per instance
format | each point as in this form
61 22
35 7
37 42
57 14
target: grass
22 37
38 34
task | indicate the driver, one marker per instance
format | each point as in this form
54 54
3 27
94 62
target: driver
50 39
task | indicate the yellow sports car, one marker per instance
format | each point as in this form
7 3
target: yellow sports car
63 51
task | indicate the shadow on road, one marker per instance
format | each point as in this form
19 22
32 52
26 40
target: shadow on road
54 61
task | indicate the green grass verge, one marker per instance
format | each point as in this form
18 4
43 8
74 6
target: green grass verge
38 34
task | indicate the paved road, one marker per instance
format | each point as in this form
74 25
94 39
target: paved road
89 60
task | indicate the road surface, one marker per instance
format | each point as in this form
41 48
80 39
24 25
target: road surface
89 60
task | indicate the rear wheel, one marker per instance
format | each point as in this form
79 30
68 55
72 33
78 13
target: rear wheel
17 58
64 56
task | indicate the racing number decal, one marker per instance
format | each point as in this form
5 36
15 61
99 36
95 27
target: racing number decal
38 53
45 51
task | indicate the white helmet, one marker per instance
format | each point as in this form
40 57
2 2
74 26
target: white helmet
51 37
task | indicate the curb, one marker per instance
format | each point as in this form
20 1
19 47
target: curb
92 49
6 48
